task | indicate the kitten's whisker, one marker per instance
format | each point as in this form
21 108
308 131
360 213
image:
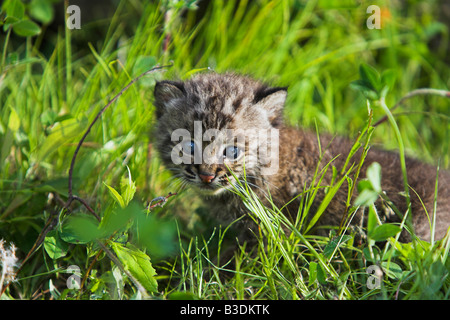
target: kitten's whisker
253 185
163 169
263 180
175 181
183 184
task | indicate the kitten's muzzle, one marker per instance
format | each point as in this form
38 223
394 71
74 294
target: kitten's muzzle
206 177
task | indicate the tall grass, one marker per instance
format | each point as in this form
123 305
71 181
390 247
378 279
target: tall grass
314 47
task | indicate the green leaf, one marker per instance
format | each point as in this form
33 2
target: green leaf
370 76
374 176
312 272
156 235
8 21
370 83
14 9
365 88
333 244
384 231
127 188
178 295
26 28
364 184
138 264
366 198
14 121
118 218
393 270
369 188
41 10
117 197
321 275
81 229
368 254
54 246
372 220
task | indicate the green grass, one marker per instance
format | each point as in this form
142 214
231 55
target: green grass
53 85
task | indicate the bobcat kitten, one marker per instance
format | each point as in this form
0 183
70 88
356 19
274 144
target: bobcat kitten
210 111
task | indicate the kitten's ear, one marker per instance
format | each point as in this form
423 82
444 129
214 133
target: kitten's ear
165 92
272 100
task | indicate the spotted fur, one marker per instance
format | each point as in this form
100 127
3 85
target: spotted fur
230 101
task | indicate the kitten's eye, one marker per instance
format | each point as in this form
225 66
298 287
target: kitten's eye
189 147
231 152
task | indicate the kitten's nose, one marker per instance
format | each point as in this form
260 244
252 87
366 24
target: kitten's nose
206 177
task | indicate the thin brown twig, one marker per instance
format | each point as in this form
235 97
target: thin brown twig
71 197
159 201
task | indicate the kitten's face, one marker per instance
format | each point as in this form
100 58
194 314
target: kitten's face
215 123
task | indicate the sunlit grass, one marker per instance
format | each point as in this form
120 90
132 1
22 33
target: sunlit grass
314 47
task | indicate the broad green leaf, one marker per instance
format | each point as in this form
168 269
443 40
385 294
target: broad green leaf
392 270
366 197
80 229
365 88
41 10
138 264
364 184
156 235
371 76
118 218
14 9
26 28
8 21
54 246
384 231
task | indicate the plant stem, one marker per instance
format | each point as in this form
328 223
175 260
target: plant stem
5 46
401 150
116 261
423 91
